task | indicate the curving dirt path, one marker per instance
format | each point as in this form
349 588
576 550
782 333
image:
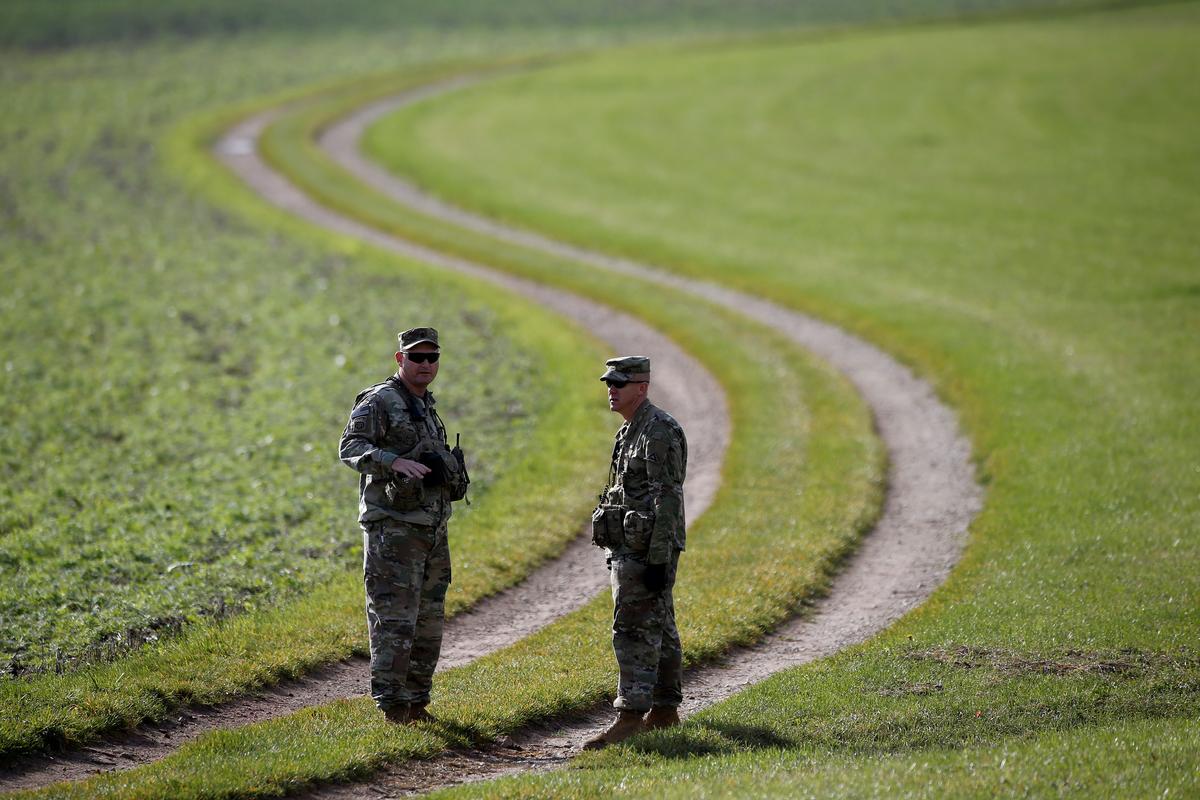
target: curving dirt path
681 384
932 494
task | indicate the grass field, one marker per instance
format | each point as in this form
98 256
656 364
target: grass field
1010 207
215 321
1005 206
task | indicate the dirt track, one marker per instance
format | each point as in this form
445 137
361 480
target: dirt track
931 499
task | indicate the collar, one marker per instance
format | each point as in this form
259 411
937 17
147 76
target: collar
428 399
637 419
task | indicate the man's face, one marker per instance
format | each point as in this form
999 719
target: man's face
415 369
624 398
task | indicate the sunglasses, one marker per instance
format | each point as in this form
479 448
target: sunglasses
422 358
621 384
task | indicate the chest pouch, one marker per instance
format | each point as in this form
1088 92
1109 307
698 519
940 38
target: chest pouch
608 526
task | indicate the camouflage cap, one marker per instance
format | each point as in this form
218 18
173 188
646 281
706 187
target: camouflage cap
415 336
627 368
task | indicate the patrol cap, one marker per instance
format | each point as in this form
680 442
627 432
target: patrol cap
415 336
627 368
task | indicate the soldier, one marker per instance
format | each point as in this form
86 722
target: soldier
409 476
640 522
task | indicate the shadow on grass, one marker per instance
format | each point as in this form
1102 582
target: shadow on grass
709 737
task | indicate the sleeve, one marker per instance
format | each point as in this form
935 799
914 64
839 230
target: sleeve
359 447
665 470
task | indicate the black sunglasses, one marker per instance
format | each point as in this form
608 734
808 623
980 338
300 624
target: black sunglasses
616 384
422 358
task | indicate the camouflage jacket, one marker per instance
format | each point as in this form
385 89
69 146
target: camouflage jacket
389 422
649 462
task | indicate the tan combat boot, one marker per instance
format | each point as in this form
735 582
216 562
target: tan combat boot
397 715
627 724
417 713
662 717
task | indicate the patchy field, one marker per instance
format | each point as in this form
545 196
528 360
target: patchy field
125 301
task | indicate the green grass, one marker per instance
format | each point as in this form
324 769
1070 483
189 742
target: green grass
1011 209
1140 758
175 525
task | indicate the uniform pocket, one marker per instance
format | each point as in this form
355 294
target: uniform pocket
638 527
404 494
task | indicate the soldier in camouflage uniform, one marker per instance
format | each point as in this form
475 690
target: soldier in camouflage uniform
640 522
409 476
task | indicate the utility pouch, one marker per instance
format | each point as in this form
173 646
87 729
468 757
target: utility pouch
608 528
404 494
462 480
638 527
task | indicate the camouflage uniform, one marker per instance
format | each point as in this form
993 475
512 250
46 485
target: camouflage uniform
406 557
649 462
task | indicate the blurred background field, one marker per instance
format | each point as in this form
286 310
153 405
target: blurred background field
70 22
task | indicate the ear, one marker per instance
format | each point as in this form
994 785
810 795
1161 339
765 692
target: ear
399 357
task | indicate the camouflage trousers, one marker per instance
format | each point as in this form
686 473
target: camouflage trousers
645 638
407 571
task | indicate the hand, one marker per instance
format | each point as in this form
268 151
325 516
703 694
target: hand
410 469
655 577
